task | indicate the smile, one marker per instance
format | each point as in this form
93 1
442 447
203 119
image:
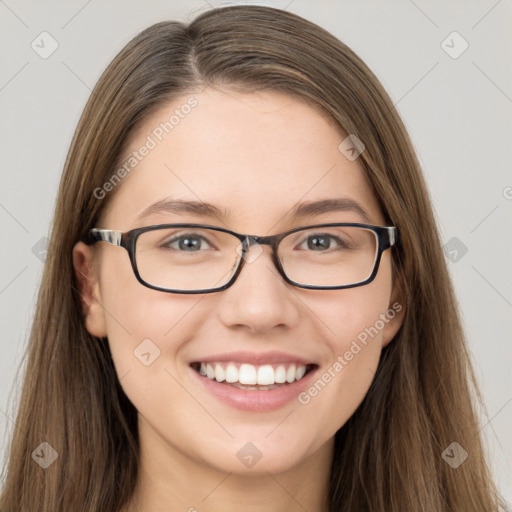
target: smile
256 377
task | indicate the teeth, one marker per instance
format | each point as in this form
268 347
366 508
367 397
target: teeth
300 372
247 374
231 373
250 375
280 375
265 375
290 374
220 374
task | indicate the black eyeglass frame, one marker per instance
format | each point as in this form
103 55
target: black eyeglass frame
387 236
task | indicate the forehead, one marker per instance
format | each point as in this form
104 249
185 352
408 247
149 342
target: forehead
253 156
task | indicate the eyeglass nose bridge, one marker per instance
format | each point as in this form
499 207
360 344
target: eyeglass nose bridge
273 241
249 240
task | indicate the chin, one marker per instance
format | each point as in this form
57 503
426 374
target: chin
257 456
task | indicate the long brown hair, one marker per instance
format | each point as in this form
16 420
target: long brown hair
388 455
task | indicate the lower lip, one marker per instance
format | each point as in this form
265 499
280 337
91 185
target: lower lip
253 400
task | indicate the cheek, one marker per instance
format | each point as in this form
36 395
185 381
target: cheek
355 338
146 328
355 314
147 331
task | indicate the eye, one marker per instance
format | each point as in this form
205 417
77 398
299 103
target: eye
324 241
189 242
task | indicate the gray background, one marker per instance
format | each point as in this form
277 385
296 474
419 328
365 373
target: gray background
457 110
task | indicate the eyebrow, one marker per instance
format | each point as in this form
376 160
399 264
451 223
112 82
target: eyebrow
305 209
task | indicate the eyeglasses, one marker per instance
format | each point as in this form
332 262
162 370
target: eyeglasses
197 258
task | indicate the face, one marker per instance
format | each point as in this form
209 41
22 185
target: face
255 157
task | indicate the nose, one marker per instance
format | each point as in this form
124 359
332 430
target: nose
260 299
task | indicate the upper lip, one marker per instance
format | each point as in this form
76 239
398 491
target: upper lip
254 358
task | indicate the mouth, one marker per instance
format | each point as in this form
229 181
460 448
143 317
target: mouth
249 377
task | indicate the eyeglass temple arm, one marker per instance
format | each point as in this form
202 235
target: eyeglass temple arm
104 235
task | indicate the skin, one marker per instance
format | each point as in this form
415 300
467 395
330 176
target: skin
258 155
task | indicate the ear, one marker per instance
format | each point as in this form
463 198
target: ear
89 287
395 312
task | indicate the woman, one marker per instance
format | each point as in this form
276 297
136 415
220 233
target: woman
245 302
